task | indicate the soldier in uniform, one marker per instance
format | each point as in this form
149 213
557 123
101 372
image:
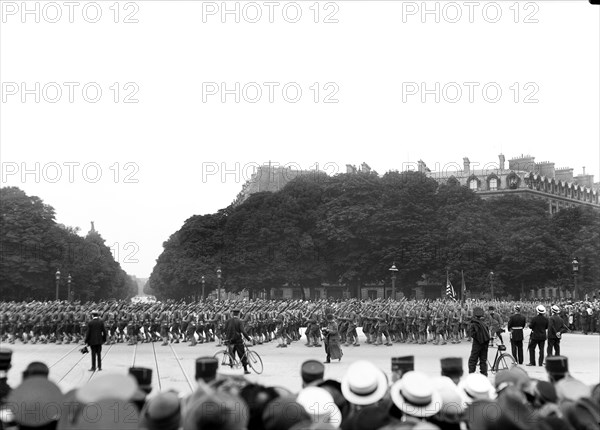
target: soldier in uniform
516 324
383 328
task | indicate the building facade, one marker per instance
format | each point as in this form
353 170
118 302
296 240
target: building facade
271 177
525 178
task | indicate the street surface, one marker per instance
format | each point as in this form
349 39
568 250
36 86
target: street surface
175 363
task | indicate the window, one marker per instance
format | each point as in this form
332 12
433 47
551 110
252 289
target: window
493 184
473 184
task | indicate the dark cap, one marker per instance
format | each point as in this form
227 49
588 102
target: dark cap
329 317
557 364
142 375
236 310
206 368
36 368
478 312
5 358
452 366
312 370
405 364
491 308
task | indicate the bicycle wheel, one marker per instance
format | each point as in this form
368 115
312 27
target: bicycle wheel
505 362
255 361
225 358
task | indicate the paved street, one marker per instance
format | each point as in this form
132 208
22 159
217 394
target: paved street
175 363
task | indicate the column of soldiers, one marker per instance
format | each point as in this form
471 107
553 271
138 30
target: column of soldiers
383 322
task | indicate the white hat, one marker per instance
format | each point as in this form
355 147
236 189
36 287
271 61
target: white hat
364 383
415 396
476 387
555 309
590 311
319 404
541 309
452 403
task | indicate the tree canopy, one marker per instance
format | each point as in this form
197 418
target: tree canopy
350 228
34 246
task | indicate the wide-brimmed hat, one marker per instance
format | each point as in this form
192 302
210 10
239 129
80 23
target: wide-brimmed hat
108 386
415 395
452 406
476 387
364 383
320 406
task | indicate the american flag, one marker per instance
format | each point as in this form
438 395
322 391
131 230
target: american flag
450 294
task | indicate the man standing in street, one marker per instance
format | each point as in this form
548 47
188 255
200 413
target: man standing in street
480 333
95 337
538 326
516 324
233 332
556 327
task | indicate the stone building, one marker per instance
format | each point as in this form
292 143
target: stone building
270 177
523 177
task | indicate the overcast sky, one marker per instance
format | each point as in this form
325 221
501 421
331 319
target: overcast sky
359 85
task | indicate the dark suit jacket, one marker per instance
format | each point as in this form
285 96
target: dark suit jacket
234 330
96 333
538 326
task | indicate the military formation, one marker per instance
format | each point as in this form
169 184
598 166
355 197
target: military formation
382 322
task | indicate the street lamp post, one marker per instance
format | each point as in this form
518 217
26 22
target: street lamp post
492 283
69 296
203 282
219 284
575 264
394 270
57 275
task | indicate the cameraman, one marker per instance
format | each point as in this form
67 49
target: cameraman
95 337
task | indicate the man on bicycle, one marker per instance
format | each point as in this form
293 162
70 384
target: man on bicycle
233 332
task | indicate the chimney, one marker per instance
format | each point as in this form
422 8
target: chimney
365 167
524 163
350 168
564 174
502 160
546 168
467 166
422 166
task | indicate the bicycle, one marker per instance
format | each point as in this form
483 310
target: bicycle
502 361
227 357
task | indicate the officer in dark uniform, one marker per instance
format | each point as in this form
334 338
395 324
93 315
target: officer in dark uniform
516 324
538 326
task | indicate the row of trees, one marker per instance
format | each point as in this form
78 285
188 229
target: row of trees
350 228
34 246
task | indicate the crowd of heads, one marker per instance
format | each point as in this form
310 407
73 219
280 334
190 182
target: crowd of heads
366 397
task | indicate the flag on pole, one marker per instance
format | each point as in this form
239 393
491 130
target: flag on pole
463 293
450 293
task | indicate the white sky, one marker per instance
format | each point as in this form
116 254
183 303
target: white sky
172 139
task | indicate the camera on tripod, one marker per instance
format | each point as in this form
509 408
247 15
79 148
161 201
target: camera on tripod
84 350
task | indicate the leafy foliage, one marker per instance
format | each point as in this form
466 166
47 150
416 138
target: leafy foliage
350 228
34 246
